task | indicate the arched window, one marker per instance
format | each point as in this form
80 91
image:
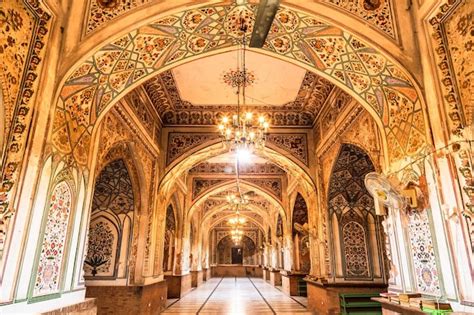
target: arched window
54 241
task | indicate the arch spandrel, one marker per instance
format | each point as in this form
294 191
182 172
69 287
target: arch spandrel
377 82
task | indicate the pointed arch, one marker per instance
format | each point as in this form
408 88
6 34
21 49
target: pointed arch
351 217
115 202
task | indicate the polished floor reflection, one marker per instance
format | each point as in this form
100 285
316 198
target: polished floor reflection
236 296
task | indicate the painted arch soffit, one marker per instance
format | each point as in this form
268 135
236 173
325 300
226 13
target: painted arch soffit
378 13
269 198
378 83
251 210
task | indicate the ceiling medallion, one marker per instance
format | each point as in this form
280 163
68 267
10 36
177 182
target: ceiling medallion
238 78
108 4
371 5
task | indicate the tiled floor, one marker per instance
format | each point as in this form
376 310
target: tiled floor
236 296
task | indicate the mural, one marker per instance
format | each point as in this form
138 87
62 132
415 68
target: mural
378 13
24 27
422 249
170 233
173 110
300 216
451 35
111 221
350 206
102 78
54 243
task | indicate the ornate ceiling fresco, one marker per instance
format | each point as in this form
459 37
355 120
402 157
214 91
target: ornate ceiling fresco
378 13
380 85
293 106
182 144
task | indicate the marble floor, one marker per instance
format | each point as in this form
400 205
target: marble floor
236 296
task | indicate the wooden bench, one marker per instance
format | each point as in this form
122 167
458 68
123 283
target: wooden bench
359 303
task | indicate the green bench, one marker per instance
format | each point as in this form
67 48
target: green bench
359 303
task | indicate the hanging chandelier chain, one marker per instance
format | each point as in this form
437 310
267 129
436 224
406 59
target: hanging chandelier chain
242 133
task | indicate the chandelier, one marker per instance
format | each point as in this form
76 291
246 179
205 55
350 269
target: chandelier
236 235
243 132
237 220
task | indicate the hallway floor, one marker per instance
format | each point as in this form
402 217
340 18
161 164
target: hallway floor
236 296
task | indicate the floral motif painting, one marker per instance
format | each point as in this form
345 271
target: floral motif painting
102 248
423 254
351 203
355 251
48 276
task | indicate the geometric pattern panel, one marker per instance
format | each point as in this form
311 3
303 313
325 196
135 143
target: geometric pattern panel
350 201
423 254
164 94
48 276
378 13
182 142
296 144
229 168
270 185
113 189
202 185
375 80
300 210
346 186
355 250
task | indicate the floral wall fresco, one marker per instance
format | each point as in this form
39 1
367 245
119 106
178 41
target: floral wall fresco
113 206
24 29
422 250
350 204
54 243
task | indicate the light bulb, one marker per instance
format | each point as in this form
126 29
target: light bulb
266 125
252 135
261 119
221 127
243 155
225 120
248 115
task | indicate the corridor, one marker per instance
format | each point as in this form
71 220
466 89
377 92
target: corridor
236 296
